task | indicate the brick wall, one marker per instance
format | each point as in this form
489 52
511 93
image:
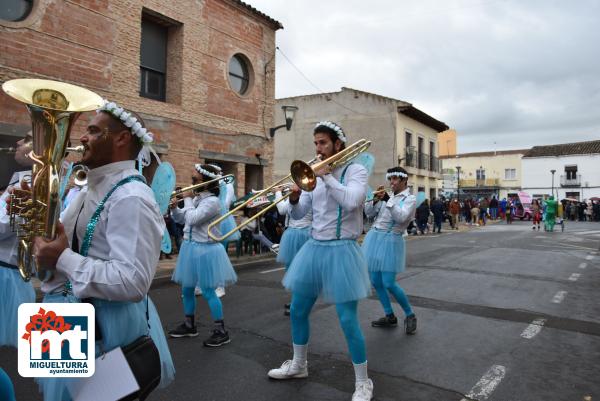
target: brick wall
96 44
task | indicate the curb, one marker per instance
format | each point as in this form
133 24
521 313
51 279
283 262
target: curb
164 277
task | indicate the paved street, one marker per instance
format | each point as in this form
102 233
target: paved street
505 314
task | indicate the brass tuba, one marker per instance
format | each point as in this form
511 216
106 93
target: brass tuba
53 107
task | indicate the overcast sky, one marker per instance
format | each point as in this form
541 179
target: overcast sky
516 72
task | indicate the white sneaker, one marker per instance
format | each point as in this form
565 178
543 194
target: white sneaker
289 370
364 391
220 291
197 291
275 249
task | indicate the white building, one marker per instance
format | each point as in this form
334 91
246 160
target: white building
576 169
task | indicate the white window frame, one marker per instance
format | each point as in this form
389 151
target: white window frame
510 177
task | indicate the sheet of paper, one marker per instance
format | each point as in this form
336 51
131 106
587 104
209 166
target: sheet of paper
112 380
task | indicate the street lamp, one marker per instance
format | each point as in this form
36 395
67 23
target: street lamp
458 182
289 112
553 171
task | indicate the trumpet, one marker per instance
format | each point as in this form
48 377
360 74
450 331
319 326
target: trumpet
302 174
228 179
8 150
377 192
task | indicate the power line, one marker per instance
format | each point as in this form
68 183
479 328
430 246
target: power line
322 91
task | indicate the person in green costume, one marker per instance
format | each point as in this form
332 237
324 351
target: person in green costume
551 208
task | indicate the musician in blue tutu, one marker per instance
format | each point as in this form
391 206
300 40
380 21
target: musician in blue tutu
330 264
107 251
384 246
293 238
13 290
202 261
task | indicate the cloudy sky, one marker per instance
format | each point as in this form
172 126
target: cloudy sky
515 72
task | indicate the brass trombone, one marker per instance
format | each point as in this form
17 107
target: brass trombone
302 174
227 178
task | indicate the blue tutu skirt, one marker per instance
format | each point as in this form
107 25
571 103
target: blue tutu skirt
203 264
384 251
227 225
337 270
121 323
291 242
13 292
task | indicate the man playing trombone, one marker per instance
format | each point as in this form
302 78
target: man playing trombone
331 263
202 261
384 246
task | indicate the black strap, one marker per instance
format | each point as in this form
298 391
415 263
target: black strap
8 265
75 240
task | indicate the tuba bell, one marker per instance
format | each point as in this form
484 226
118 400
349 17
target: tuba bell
53 107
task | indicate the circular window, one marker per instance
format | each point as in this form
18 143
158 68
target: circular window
15 10
239 74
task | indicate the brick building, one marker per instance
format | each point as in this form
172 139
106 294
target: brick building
200 73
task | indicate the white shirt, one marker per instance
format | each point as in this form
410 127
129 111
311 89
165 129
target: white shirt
327 196
197 214
8 239
395 214
284 208
125 248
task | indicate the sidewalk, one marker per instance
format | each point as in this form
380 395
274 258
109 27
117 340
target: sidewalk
165 268
462 227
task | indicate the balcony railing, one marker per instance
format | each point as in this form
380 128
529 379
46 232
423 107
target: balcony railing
410 158
422 161
570 181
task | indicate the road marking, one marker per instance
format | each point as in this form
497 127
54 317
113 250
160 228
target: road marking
533 329
558 298
272 270
472 241
487 384
574 276
589 257
582 265
593 232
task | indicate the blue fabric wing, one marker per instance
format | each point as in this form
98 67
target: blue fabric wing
163 185
65 181
420 198
367 160
165 244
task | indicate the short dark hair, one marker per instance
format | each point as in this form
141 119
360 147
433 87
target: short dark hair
213 188
323 129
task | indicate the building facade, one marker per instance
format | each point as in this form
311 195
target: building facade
400 134
447 143
200 73
483 174
576 169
